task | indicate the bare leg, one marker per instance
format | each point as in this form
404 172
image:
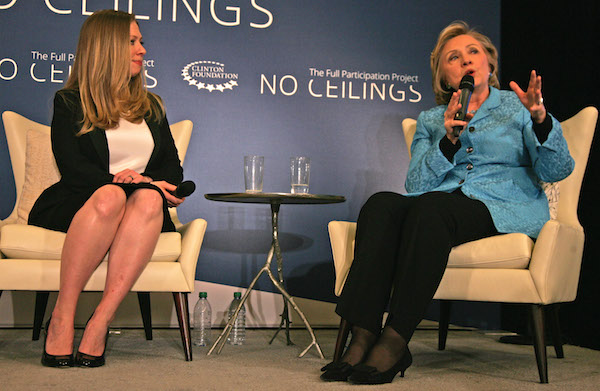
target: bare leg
130 251
83 250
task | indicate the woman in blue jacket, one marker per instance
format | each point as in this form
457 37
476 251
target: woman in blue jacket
481 182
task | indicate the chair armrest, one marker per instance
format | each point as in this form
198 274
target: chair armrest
6 221
175 218
341 235
556 261
192 235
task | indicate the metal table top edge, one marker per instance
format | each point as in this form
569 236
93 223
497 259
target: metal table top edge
280 198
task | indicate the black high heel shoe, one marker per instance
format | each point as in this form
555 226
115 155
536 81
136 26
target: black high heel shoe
365 374
336 371
87 360
49 360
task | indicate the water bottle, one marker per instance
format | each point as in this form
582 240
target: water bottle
238 331
202 321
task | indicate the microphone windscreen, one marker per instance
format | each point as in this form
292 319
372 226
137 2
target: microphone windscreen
184 189
467 82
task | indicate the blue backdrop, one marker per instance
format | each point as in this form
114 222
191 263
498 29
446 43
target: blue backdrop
331 80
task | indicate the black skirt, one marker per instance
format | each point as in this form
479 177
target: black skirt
57 216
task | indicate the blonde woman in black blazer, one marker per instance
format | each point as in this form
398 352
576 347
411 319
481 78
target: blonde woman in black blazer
100 204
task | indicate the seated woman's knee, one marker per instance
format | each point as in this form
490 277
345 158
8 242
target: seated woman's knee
147 202
108 201
378 203
381 198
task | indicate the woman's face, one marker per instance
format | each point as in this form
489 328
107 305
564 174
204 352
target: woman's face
464 55
137 49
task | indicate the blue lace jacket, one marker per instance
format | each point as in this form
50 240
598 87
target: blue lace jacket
500 162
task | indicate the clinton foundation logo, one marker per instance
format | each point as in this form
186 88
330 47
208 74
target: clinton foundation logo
209 75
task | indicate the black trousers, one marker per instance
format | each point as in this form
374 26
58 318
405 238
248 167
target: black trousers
401 251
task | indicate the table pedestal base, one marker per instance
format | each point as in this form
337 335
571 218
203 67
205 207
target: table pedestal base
275 249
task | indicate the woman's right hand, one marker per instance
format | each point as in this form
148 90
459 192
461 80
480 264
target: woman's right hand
450 122
168 189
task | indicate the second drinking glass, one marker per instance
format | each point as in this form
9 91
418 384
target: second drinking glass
300 171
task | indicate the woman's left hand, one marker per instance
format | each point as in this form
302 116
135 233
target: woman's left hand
130 176
532 98
168 189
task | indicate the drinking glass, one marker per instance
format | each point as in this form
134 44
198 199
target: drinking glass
253 173
300 172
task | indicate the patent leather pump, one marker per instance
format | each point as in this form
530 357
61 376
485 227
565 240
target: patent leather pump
49 360
89 361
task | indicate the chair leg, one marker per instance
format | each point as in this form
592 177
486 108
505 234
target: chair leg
183 316
41 302
340 342
445 307
537 316
144 301
552 312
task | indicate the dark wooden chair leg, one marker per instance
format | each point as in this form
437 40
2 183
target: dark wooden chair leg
537 317
340 342
552 312
445 307
41 302
183 316
144 300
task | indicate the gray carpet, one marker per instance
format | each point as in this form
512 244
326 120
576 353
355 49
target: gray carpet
472 361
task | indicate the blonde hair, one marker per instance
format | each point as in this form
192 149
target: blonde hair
454 29
101 74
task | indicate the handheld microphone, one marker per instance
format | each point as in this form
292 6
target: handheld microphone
184 189
466 89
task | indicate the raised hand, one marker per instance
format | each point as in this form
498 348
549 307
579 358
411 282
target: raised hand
532 98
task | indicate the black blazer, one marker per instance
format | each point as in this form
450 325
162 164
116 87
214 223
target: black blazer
83 162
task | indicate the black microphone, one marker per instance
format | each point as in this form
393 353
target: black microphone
466 89
184 189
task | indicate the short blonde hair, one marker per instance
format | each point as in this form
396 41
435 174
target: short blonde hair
454 29
101 73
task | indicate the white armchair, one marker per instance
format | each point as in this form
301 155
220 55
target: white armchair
509 268
30 255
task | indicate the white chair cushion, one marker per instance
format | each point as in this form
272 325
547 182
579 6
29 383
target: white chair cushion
20 241
505 251
40 172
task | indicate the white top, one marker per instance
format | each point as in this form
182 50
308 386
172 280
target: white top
130 146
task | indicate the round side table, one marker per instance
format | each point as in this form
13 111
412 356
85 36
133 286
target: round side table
275 200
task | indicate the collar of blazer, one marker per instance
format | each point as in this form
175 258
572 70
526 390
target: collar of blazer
98 137
492 102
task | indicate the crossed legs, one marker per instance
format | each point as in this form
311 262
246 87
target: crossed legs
129 228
